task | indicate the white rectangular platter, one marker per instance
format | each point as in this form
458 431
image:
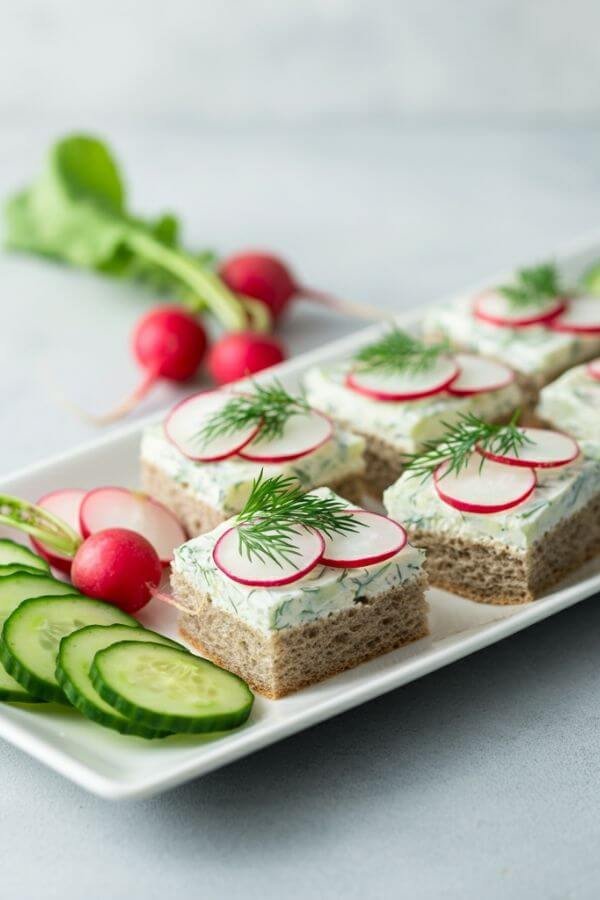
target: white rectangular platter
115 767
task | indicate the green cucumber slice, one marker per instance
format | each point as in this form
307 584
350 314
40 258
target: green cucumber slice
13 568
13 590
75 657
32 634
13 553
168 689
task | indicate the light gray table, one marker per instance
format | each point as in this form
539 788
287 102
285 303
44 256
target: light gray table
481 780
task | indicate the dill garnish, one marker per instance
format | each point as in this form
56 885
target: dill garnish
533 287
398 351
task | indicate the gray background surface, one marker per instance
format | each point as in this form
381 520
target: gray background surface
395 152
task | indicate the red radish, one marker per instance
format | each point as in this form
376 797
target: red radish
243 353
268 279
479 375
266 572
119 566
65 504
544 450
167 343
582 316
116 507
593 369
186 420
404 386
303 433
496 309
486 489
377 539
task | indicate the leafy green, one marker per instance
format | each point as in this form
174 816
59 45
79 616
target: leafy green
533 287
591 279
75 212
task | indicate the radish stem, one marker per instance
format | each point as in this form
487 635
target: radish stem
207 287
39 523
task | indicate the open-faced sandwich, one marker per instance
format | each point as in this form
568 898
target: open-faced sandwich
202 460
535 322
572 404
503 512
399 393
299 586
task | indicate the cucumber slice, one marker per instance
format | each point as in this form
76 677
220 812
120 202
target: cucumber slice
168 689
13 553
75 657
32 634
13 590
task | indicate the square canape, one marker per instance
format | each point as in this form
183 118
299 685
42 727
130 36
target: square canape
504 529
205 491
572 404
393 427
283 637
533 323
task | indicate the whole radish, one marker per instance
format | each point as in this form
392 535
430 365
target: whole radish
167 342
267 278
243 353
119 566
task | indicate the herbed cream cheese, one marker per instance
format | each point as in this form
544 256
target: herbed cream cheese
404 425
572 404
225 485
319 594
535 351
560 493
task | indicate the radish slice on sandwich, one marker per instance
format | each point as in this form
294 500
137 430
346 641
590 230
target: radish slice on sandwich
496 309
376 539
582 316
397 386
593 369
544 450
228 555
303 433
478 375
487 489
115 507
66 505
185 422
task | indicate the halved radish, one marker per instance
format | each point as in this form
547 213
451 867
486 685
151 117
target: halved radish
582 316
267 573
396 386
303 433
490 488
185 422
65 504
116 507
593 369
376 539
478 375
544 450
494 308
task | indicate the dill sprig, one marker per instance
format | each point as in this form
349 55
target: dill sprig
398 351
460 440
269 406
274 511
533 287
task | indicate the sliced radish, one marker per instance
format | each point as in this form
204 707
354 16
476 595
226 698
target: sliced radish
479 375
593 369
303 433
267 573
186 420
545 450
115 507
397 386
490 488
66 505
494 308
376 539
582 316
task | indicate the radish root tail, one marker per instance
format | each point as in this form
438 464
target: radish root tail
348 307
